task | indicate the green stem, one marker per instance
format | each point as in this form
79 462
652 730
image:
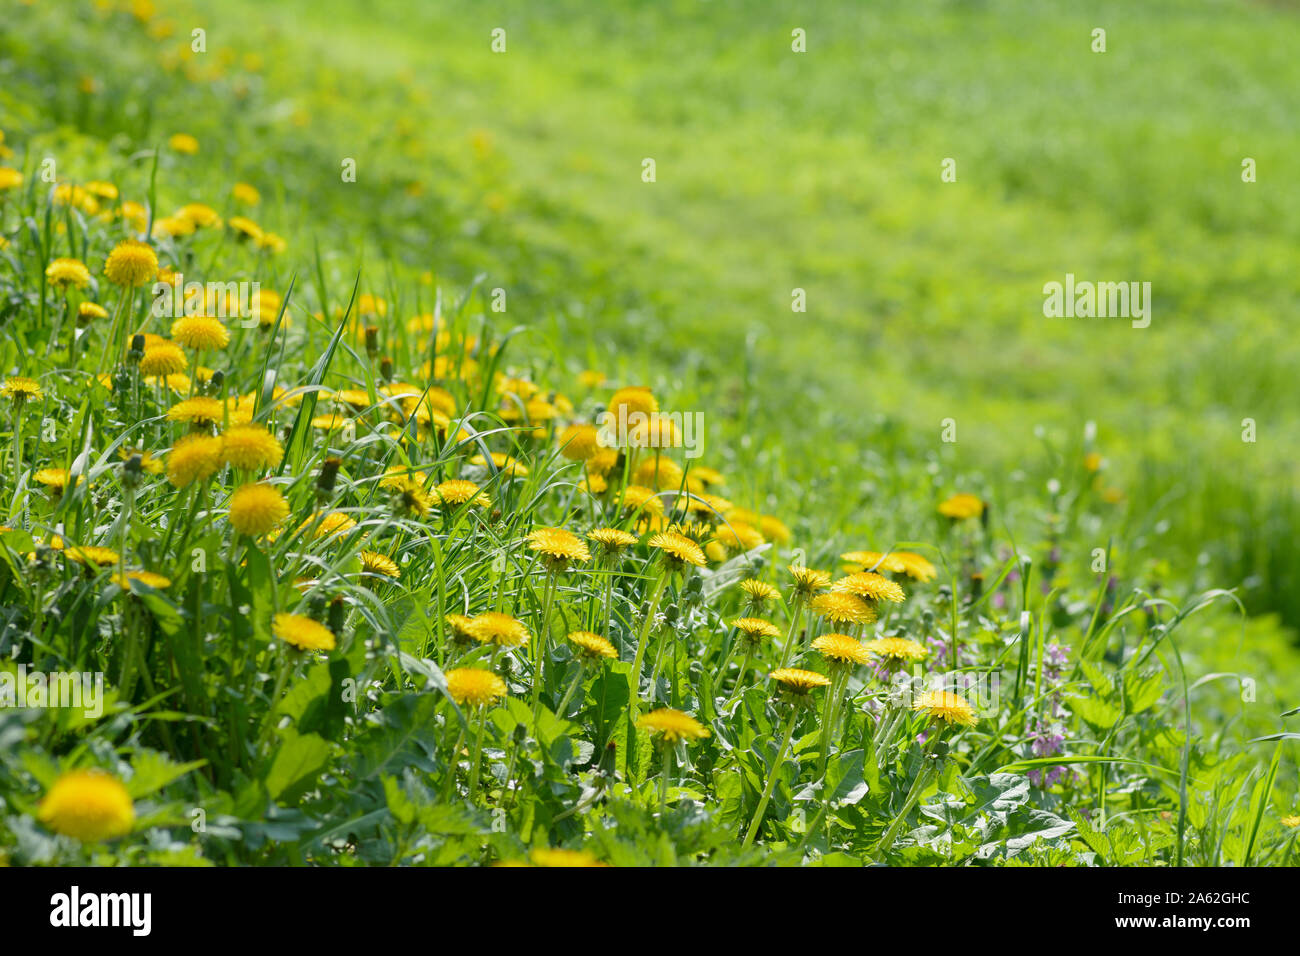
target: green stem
794 626
771 779
642 639
663 778
542 638
476 761
573 686
913 795
828 720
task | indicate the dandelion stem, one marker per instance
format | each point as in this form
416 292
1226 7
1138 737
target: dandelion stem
476 761
542 638
771 779
913 795
642 638
794 626
663 779
568 694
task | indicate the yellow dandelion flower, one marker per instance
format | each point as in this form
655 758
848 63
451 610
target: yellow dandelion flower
194 458
579 441
945 707
678 549
250 447
632 400
67 273
672 725
171 227
493 627
131 264
663 473
557 547
329 524
799 681
148 578
593 645
88 312
842 649
272 242
200 332
459 625
10 178
611 541
90 554
842 608
244 228
869 586
66 194
755 628
511 466
198 215
473 687
898 649
873 561
774 529
641 498
245 194
410 494
739 536
459 492
56 479
148 463
375 563
916 567
199 410
87 805
302 632
183 143
19 390
961 505
759 592
807 580
1290 822
102 190
257 509
162 360
555 857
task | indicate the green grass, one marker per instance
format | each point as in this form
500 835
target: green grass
820 171
775 171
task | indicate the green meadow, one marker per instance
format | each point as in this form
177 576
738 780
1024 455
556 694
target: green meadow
840 261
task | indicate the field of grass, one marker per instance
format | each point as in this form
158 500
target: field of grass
497 273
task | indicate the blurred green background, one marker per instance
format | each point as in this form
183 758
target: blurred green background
819 170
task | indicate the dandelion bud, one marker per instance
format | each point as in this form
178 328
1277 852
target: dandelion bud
386 368
329 472
372 340
336 612
132 469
